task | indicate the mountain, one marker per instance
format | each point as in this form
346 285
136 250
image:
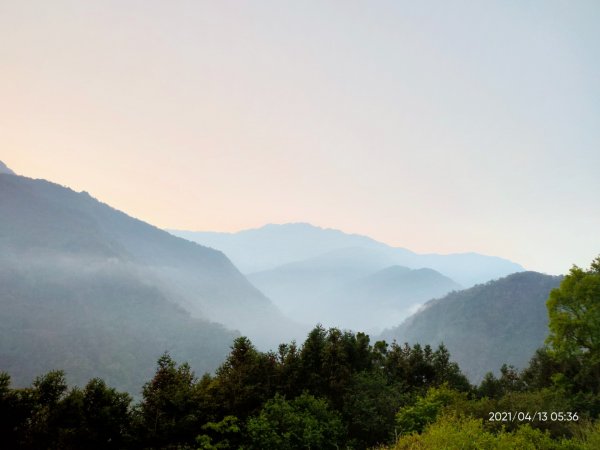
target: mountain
275 246
87 288
308 280
4 169
502 321
95 318
385 298
322 275
355 288
272 245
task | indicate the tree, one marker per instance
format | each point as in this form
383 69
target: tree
14 413
305 422
218 434
369 407
574 321
167 412
106 415
44 399
426 409
245 380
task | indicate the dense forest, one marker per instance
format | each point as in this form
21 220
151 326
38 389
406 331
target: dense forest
337 390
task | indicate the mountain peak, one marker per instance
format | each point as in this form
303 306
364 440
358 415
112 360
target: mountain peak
4 169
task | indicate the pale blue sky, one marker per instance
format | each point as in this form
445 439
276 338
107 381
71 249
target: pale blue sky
437 126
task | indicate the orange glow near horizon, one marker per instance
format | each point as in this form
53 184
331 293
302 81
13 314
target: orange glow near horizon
410 127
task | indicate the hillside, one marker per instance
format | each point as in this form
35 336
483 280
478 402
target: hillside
502 321
89 289
103 320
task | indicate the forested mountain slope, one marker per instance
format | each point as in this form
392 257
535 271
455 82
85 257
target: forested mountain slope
89 289
502 321
101 320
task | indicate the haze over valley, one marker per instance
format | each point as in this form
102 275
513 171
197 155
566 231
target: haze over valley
86 287
348 281
71 263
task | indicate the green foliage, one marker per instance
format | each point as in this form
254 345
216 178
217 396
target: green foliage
452 432
418 368
245 380
329 358
510 381
218 434
543 400
105 416
167 411
336 388
50 388
48 415
574 312
425 410
369 406
588 435
543 367
305 422
502 321
335 391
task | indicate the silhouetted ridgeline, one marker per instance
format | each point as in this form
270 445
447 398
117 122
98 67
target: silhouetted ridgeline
273 246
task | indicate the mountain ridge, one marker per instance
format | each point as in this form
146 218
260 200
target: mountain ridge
4 169
485 326
278 245
81 276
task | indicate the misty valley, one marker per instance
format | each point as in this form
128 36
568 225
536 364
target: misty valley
117 334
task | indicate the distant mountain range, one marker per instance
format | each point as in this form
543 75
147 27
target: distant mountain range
87 288
502 321
346 280
384 298
347 289
273 246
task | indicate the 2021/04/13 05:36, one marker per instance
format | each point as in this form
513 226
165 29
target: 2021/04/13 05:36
526 416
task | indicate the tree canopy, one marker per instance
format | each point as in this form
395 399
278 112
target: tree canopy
574 313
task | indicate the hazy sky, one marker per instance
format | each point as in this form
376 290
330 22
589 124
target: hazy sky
443 126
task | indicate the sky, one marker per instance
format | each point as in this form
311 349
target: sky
435 126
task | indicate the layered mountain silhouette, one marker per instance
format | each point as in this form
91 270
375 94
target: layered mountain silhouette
273 246
386 297
346 280
347 288
92 290
502 321
89 289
